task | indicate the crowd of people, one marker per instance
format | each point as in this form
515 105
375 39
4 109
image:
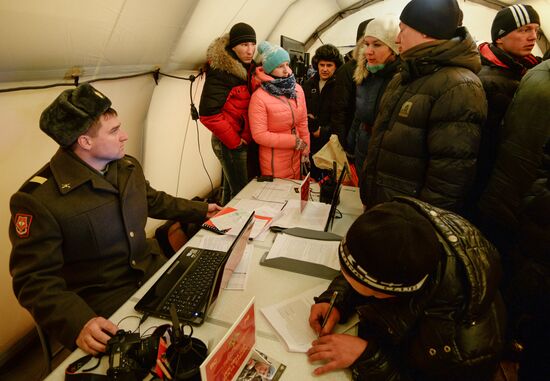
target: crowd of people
447 268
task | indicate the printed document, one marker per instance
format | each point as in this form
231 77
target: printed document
308 250
290 319
314 216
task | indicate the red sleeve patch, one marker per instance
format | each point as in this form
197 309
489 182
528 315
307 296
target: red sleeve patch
22 224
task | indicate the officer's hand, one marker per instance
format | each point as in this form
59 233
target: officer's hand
212 210
317 315
95 334
338 351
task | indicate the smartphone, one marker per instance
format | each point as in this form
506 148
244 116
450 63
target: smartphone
265 178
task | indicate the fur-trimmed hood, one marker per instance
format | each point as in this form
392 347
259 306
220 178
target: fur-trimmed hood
361 72
219 58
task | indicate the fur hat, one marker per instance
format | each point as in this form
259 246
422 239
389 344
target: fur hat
327 52
240 33
438 19
385 29
391 248
72 113
272 56
512 18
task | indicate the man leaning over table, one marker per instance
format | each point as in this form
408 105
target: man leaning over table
79 248
424 283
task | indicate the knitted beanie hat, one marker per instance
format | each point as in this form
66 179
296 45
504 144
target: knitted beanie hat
72 113
272 56
436 18
240 33
385 29
512 18
391 248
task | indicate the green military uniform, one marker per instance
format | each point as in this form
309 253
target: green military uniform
79 244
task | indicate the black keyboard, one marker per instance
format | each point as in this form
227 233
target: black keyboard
191 293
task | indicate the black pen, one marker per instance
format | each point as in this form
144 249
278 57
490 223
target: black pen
330 307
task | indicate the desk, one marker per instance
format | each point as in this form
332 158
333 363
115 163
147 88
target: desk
267 285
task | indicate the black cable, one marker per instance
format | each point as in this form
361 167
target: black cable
155 73
195 117
202 159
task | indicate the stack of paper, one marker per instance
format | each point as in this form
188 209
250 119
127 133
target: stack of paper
230 220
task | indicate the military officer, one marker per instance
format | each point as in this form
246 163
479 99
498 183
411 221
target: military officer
79 248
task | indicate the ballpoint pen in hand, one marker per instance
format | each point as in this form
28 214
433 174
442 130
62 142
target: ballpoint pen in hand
330 307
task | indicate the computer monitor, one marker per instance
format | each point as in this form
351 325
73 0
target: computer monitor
298 56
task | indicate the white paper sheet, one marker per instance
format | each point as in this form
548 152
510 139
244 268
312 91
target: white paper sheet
314 216
240 275
290 319
307 250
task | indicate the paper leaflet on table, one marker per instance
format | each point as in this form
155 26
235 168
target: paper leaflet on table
230 220
275 192
307 250
265 215
290 319
238 279
314 216
233 352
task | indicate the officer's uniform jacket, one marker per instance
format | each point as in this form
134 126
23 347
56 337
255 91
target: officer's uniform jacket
78 240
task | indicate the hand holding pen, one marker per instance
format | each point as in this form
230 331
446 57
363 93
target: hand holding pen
320 317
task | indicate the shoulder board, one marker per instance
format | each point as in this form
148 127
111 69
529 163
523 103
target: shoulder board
38 179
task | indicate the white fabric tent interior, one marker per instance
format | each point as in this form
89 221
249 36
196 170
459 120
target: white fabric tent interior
52 42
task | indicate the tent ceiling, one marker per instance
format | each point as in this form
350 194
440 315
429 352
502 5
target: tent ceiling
46 39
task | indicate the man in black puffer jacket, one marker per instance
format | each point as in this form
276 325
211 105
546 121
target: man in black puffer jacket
424 283
505 62
425 138
517 202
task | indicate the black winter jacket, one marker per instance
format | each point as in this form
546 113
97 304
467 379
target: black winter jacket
343 109
319 104
525 132
451 329
426 137
226 94
500 75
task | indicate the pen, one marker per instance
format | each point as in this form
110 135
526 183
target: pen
330 307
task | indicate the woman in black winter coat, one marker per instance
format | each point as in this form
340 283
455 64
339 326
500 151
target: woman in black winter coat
377 62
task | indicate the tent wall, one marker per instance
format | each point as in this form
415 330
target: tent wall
44 42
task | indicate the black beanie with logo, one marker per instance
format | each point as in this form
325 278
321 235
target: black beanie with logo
512 18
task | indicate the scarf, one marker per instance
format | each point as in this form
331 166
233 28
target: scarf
281 86
375 68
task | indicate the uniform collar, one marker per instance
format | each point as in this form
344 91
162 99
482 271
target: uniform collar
70 172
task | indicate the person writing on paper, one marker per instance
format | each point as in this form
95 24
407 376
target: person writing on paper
278 116
424 283
79 248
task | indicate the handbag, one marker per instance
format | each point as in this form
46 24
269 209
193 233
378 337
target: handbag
332 152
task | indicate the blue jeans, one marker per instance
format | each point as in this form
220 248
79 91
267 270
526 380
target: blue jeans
234 167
